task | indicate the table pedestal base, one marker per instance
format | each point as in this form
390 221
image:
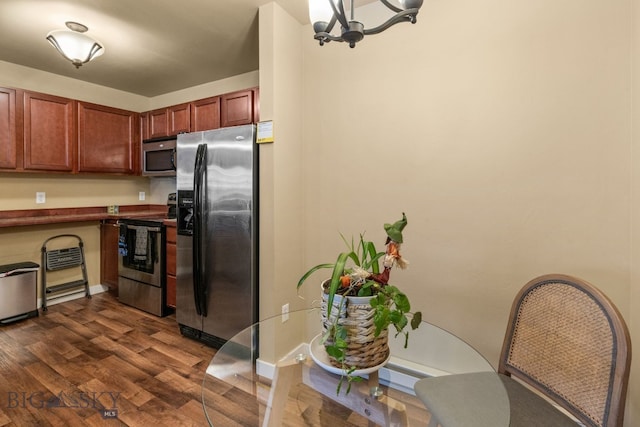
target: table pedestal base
379 410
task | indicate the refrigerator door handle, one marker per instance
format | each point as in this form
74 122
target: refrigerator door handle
199 230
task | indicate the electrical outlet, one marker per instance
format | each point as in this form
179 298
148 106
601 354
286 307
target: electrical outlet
141 195
41 197
285 312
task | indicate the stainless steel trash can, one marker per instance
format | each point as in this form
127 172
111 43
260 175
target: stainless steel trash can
18 291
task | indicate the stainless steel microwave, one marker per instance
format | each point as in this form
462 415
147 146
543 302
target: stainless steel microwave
159 157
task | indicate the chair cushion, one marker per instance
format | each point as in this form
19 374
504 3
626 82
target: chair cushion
528 409
486 399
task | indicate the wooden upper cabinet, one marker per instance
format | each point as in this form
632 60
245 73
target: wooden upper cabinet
168 121
8 141
144 126
231 109
205 114
107 139
159 123
179 118
256 105
237 108
49 133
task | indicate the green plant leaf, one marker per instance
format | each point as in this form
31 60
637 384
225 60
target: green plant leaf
333 351
402 302
365 290
313 270
416 320
354 257
338 269
370 256
380 320
399 320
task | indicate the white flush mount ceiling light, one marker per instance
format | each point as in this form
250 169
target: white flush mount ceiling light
325 14
74 45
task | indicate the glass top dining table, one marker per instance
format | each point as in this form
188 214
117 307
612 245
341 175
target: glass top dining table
276 373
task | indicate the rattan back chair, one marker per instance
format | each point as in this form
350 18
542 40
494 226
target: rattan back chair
567 340
566 345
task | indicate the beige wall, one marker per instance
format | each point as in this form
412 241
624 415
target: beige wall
16 76
281 183
18 191
503 130
19 244
231 84
634 295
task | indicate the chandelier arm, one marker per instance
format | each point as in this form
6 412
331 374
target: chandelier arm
338 12
390 6
408 15
331 24
324 36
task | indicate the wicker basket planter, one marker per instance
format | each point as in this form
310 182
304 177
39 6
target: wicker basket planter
355 329
355 315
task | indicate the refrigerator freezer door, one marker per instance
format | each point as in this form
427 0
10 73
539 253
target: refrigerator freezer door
187 146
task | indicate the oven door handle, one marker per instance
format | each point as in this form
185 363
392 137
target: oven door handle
199 230
149 229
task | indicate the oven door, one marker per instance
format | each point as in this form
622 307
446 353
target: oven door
140 253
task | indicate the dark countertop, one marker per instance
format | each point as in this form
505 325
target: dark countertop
27 217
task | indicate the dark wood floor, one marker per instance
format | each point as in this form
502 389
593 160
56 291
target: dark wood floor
81 359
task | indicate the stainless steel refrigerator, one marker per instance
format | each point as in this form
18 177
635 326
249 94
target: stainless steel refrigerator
216 233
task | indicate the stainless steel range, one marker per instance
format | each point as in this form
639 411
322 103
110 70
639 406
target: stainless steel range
141 265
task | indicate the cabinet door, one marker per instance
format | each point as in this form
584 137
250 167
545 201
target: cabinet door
171 291
49 133
107 139
8 141
180 117
109 233
205 114
237 108
144 126
159 123
256 105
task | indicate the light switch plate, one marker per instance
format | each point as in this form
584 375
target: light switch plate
41 197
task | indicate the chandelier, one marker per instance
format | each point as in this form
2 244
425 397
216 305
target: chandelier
324 15
74 45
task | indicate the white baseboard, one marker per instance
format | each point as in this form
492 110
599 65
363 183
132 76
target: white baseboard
398 374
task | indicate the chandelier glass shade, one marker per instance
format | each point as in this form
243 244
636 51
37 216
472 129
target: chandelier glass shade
325 14
74 45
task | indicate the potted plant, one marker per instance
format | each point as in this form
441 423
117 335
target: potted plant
358 297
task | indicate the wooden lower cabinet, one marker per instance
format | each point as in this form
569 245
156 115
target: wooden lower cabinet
109 234
171 264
